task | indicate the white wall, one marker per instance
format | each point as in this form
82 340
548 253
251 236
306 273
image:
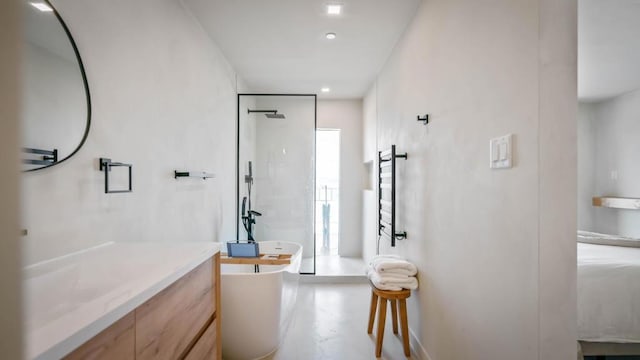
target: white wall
163 99
346 115
369 194
617 131
495 249
586 165
10 316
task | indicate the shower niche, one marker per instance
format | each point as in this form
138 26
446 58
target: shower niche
276 170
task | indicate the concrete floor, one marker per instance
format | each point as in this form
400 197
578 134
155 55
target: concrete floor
330 323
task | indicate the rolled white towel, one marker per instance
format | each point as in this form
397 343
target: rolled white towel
399 272
399 266
392 279
367 269
377 282
396 277
378 258
394 283
391 272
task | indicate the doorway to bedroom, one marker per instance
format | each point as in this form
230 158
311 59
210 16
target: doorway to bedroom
608 249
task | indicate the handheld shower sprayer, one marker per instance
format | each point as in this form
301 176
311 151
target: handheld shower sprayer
244 205
249 178
249 219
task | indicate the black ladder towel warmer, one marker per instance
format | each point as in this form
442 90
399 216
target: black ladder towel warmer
387 195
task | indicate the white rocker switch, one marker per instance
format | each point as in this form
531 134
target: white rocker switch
500 152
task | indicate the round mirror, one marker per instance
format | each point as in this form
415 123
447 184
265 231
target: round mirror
56 106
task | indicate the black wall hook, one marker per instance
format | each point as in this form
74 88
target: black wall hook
425 118
196 174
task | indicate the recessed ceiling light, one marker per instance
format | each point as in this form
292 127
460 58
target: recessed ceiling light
331 36
334 9
325 89
41 6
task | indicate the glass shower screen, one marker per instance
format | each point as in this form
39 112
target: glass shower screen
276 170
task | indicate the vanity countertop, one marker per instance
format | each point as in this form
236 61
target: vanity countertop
69 300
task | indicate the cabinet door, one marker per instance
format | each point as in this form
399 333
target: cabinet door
206 347
169 322
115 342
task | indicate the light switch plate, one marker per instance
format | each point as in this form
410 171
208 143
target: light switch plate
501 152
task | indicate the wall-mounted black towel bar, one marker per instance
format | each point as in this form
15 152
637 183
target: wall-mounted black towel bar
387 195
106 165
197 174
48 156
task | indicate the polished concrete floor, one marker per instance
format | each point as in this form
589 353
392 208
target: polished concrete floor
330 323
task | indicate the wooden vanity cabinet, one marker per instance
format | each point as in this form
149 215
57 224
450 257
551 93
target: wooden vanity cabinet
180 322
115 342
207 346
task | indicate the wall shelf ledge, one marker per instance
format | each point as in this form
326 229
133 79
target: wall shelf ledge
617 202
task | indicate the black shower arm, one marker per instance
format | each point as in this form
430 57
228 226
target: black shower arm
249 111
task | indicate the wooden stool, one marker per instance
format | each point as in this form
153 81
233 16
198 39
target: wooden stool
393 297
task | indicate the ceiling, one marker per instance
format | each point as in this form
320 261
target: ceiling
279 46
43 30
608 48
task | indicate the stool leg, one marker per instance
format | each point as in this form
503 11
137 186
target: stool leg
382 315
372 311
405 327
394 316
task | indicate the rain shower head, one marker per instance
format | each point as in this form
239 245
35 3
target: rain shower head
275 116
271 114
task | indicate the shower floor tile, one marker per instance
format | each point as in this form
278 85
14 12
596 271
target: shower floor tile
335 265
330 323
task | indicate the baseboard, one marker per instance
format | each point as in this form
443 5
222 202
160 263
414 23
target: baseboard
416 347
334 279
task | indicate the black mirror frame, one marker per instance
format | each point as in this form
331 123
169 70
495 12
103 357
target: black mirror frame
86 91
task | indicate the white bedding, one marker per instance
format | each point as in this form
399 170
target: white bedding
589 237
608 293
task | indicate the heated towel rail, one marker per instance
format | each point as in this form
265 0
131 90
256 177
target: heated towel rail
387 195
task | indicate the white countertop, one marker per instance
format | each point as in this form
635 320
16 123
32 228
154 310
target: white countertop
70 299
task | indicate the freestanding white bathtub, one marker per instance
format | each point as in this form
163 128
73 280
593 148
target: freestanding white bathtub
257 307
